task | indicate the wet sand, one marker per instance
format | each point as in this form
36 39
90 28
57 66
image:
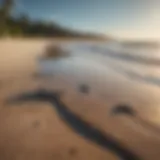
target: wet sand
34 130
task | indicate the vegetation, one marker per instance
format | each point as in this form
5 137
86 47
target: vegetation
24 26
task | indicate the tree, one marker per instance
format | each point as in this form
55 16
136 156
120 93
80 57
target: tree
7 7
5 12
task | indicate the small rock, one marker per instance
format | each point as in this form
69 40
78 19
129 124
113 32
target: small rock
123 109
73 151
84 88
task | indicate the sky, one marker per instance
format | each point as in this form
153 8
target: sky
124 19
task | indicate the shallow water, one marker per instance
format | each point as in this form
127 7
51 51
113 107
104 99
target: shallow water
119 79
140 64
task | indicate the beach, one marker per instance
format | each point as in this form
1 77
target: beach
35 131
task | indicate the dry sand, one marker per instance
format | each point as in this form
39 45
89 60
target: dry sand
34 131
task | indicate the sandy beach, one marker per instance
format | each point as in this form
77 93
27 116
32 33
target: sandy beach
34 130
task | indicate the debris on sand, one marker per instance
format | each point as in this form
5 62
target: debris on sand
55 51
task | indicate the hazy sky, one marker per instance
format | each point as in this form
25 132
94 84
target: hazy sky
121 18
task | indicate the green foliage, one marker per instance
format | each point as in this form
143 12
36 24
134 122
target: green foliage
24 26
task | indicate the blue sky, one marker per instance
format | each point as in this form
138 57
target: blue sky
121 18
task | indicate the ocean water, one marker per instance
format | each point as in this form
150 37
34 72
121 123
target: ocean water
135 63
115 73
138 63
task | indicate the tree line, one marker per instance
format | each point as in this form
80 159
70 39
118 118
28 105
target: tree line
24 26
